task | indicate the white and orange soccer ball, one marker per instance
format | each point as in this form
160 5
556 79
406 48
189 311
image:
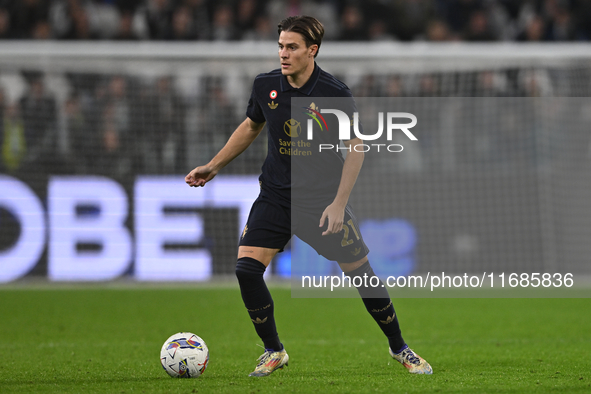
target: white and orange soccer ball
184 355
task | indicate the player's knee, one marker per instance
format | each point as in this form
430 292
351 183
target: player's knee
365 268
247 267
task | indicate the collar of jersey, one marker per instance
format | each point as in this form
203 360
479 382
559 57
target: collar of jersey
308 86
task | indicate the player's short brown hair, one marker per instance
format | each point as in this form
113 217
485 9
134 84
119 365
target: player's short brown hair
309 27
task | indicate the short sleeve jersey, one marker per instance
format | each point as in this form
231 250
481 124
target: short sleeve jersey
294 164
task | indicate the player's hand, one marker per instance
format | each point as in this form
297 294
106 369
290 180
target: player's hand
335 216
200 176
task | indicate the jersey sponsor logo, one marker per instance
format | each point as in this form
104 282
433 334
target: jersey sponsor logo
272 104
292 128
273 94
294 148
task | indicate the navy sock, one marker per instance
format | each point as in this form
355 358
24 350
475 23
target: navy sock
378 303
258 301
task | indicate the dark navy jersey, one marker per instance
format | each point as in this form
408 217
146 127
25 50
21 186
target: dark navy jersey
295 166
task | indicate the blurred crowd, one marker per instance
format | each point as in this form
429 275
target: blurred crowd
117 126
124 125
350 20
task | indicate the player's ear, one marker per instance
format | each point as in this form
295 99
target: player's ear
313 49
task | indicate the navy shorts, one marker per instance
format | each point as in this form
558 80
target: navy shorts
271 225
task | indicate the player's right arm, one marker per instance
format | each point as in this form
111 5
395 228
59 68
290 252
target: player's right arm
241 139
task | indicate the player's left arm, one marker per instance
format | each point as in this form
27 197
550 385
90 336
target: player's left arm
335 212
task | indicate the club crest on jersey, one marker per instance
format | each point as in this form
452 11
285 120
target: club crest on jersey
273 94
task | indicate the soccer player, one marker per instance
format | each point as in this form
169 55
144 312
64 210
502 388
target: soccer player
274 218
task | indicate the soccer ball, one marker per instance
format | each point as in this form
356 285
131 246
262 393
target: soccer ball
184 355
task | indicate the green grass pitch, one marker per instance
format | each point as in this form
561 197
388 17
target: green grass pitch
101 339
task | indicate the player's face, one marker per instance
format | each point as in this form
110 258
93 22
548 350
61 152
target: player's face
294 55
